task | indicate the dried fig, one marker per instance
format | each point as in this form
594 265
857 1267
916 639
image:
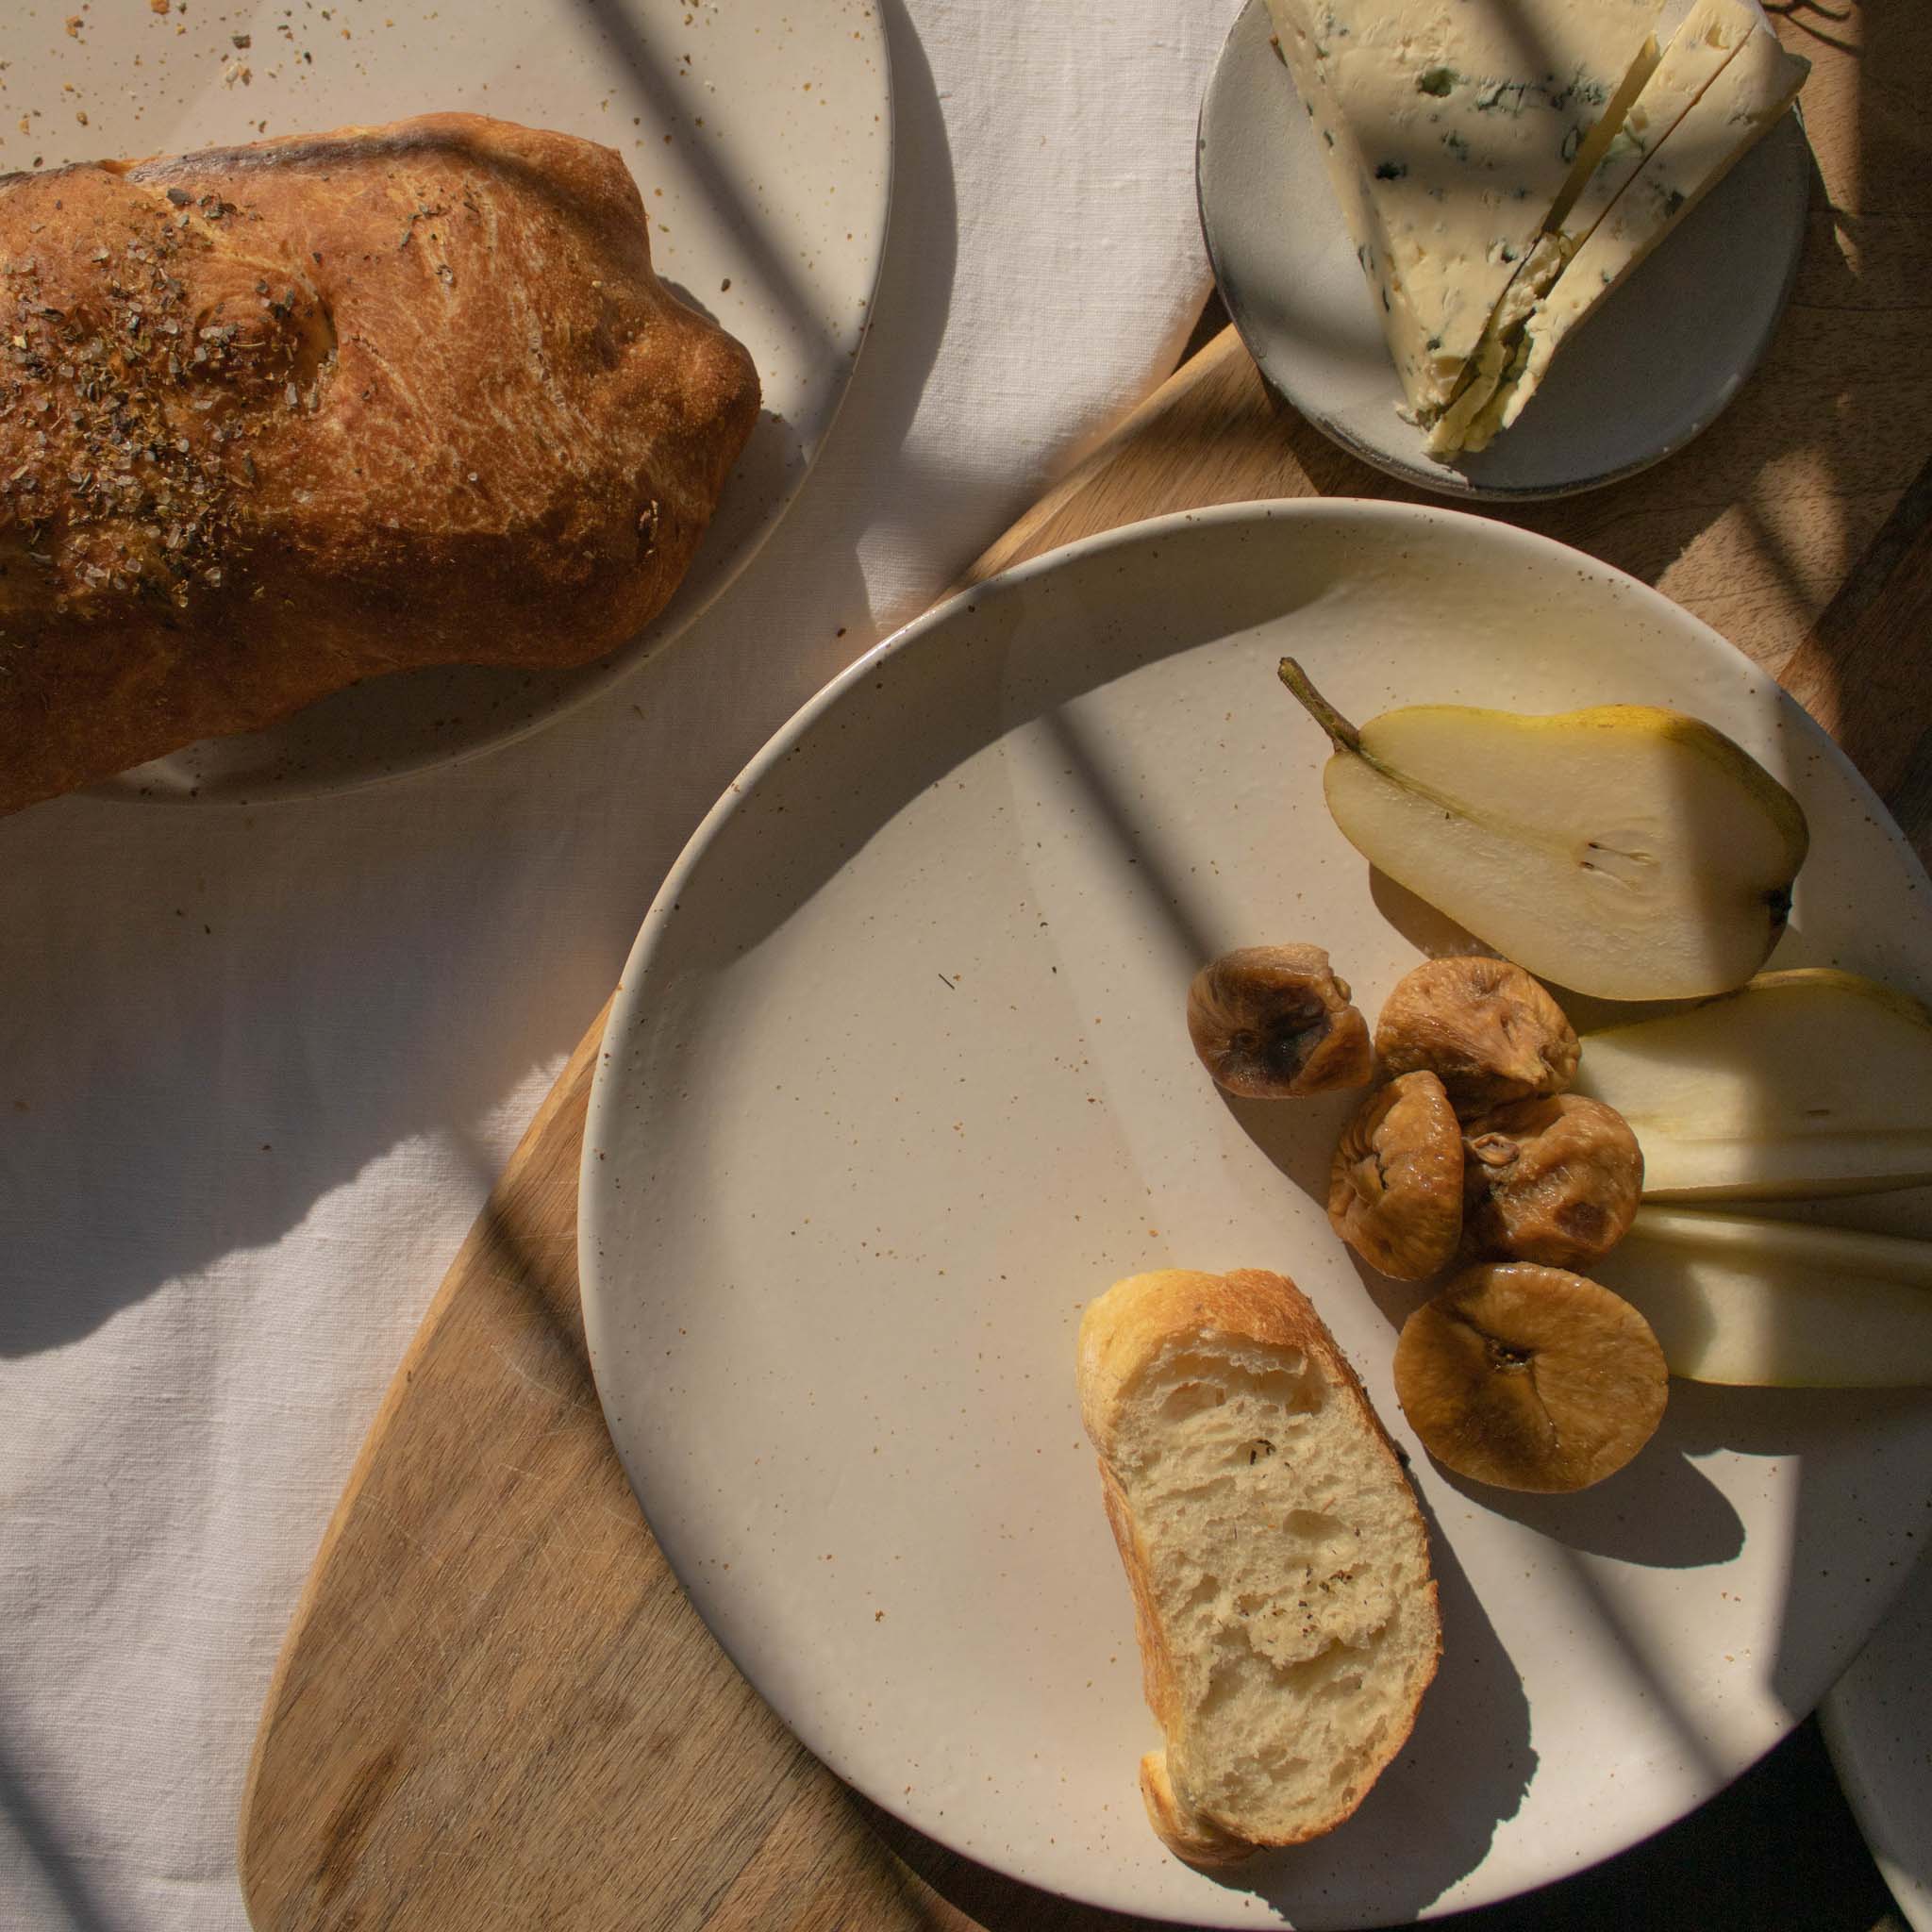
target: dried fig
1554 1180
1483 1027
1395 1189
1271 1022
1530 1379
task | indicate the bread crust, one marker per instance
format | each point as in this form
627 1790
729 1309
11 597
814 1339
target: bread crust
275 418
1120 1334
1188 1834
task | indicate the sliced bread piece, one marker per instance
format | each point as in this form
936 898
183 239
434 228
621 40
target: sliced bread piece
1279 1565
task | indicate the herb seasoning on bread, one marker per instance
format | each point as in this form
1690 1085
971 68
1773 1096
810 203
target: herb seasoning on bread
279 418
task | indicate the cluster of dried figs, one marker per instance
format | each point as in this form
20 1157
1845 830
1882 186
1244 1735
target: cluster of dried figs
1471 1152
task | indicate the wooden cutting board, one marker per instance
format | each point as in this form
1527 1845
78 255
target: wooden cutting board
494 1707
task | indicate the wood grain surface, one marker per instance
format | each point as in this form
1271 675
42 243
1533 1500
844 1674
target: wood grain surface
495 1708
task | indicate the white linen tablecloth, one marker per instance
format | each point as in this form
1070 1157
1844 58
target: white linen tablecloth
260 1066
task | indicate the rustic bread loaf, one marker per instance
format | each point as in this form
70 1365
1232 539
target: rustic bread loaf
275 418
1279 1565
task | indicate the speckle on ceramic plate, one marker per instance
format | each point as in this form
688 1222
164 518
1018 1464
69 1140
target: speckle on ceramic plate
1877 1724
760 140
899 1078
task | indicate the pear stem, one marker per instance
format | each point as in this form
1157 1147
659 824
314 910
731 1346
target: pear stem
1345 736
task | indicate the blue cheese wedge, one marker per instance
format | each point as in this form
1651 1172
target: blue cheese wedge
1453 130
1711 34
1698 52
1739 108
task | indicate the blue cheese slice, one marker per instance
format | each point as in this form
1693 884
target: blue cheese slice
1739 108
1453 130
1698 52
1711 34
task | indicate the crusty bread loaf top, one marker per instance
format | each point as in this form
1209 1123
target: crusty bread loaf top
278 417
1278 1563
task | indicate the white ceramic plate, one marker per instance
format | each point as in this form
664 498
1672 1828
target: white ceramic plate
1639 382
1877 1724
897 1079
759 136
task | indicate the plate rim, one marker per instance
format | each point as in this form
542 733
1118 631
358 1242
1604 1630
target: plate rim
603 675
1446 481
596 1200
1878 1804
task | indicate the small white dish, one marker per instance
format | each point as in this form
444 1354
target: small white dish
1878 1726
760 139
897 1079
1659 362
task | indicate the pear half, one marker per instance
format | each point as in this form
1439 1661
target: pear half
1808 1082
1623 851
1772 1303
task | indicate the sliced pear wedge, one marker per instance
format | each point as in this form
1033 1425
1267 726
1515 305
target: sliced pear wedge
1803 1083
1738 1299
1623 851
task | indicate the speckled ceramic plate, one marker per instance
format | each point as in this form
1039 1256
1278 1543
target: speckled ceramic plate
898 1079
1634 386
1877 1724
760 137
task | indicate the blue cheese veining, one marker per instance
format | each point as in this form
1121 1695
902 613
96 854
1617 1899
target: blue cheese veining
1710 35
1454 131
1738 109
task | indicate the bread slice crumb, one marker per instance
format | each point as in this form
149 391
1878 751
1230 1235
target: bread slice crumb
1279 1565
